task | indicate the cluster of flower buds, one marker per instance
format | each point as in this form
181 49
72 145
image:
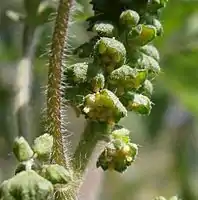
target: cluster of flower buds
120 66
34 178
119 153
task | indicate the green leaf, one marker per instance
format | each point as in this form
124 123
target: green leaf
56 174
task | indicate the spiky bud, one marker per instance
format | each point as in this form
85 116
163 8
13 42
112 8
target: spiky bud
119 152
22 149
129 18
98 82
127 77
105 29
56 174
43 146
149 63
152 51
109 53
77 73
103 106
26 185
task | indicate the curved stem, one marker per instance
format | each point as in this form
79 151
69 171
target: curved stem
54 79
93 133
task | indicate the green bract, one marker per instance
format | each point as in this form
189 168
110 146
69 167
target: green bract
104 106
26 185
55 174
145 34
137 103
127 77
109 53
22 149
129 18
105 29
43 146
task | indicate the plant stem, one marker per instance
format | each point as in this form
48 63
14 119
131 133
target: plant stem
93 133
54 121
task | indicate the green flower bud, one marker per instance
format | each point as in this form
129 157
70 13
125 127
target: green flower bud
137 103
26 185
145 34
147 88
158 26
119 153
105 29
110 53
55 174
98 82
43 146
129 18
149 63
127 77
77 73
22 149
152 51
121 134
104 106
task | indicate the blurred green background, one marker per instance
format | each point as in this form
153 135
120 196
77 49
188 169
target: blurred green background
167 164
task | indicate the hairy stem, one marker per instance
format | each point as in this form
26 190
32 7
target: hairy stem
54 80
93 133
